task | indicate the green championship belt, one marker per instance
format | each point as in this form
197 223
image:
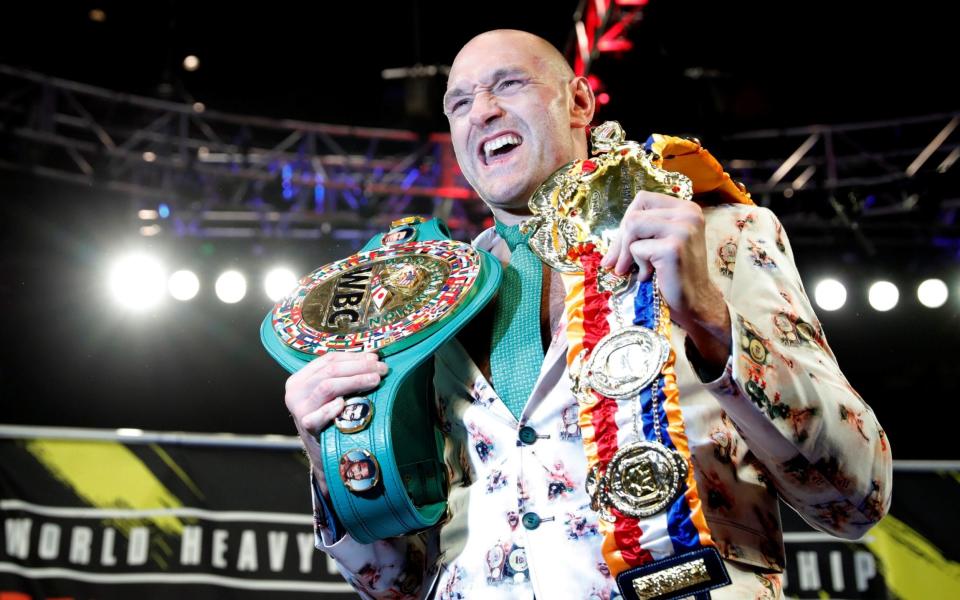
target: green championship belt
405 293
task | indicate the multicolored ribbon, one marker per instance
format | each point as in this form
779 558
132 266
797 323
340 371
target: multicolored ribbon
605 423
679 532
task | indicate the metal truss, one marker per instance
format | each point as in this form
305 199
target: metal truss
884 182
836 157
198 172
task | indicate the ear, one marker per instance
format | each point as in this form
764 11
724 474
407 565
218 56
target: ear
582 103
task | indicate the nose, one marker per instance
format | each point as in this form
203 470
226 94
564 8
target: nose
485 108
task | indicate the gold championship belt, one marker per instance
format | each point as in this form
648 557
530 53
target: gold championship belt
580 207
583 202
623 371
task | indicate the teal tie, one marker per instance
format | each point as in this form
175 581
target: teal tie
516 352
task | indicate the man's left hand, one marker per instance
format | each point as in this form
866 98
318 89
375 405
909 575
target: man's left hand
661 232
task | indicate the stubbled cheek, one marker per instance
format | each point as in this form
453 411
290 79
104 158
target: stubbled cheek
460 153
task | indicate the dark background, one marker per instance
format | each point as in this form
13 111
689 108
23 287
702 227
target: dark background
70 357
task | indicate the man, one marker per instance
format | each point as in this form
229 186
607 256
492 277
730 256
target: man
358 470
355 412
758 426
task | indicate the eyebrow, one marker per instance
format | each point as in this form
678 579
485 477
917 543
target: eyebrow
494 77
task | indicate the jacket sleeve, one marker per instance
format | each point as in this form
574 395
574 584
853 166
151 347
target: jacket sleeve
817 439
396 568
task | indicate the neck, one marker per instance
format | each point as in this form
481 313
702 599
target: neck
508 218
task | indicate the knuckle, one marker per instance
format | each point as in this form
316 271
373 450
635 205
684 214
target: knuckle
290 403
304 423
696 217
334 370
319 362
325 388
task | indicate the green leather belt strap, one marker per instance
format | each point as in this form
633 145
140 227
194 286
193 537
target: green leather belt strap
402 478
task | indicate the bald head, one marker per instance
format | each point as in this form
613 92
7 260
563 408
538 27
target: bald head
549 57
517 112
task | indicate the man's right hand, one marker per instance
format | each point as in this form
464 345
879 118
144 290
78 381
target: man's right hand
315 394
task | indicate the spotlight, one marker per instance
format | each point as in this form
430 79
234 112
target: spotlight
932 293
279 282
830 294
191 63
137 281
184 285
883 296
231 287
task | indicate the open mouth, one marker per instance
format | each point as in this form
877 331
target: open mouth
499 147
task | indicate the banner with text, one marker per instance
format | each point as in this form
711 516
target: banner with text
109 520
91 519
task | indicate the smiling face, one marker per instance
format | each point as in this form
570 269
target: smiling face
359 470
516 114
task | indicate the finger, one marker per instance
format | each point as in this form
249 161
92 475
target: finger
627 261
624 258
332 387
645 225
318 420
671 213
648 200
613 251
651 229
637 211
347 368
650 252
319 363
635 229
686 214
644 268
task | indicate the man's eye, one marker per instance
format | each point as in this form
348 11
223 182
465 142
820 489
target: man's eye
458 105
509 84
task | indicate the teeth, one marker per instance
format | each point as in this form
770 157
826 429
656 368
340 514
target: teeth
500 142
